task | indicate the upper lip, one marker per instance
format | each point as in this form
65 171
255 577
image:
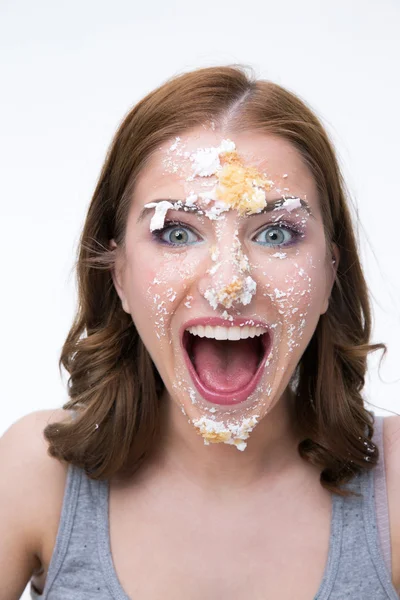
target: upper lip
219 322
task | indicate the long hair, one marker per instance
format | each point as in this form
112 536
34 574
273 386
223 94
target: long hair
114 387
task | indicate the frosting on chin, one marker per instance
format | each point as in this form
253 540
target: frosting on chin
216 432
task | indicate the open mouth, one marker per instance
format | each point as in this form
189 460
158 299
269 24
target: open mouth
226 363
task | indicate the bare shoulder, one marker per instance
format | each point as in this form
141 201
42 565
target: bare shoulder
25 447
391 435
31 480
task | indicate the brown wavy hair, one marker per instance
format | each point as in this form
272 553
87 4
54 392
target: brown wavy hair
114 387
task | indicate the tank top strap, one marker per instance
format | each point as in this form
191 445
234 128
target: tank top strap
381 499
70 501
360 572
375 515
104 543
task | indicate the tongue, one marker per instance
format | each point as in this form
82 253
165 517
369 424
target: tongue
225 366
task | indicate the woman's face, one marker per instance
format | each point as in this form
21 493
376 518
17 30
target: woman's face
227 277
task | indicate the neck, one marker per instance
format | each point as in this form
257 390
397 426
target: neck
271 451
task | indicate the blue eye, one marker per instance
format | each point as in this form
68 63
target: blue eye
277 235
176 234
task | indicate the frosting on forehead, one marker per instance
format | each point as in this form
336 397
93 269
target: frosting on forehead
239 187
206 160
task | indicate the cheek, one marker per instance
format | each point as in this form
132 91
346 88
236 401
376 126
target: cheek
157 288
295 288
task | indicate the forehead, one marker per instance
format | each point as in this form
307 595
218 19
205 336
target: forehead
169 171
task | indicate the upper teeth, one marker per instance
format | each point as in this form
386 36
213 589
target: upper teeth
226 333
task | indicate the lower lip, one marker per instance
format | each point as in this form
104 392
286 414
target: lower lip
232 397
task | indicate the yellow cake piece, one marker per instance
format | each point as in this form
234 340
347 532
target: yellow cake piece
242 188
230 292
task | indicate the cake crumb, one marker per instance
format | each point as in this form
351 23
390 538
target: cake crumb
237 291
233 433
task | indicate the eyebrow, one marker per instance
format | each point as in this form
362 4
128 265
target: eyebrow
271 205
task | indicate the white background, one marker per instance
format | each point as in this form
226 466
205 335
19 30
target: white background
69 73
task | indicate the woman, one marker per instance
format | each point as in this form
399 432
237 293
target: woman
216 442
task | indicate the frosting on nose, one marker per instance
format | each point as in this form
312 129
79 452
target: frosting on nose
237 291
231 282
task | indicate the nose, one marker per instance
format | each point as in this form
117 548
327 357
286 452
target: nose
227 282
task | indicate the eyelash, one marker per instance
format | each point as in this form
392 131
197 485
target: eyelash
158 233
296 233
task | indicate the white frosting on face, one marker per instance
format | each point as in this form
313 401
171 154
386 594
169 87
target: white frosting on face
161 208
206 160
237 292
214 213
231 433
191 199
291 203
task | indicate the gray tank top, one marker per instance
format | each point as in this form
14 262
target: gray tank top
358 565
